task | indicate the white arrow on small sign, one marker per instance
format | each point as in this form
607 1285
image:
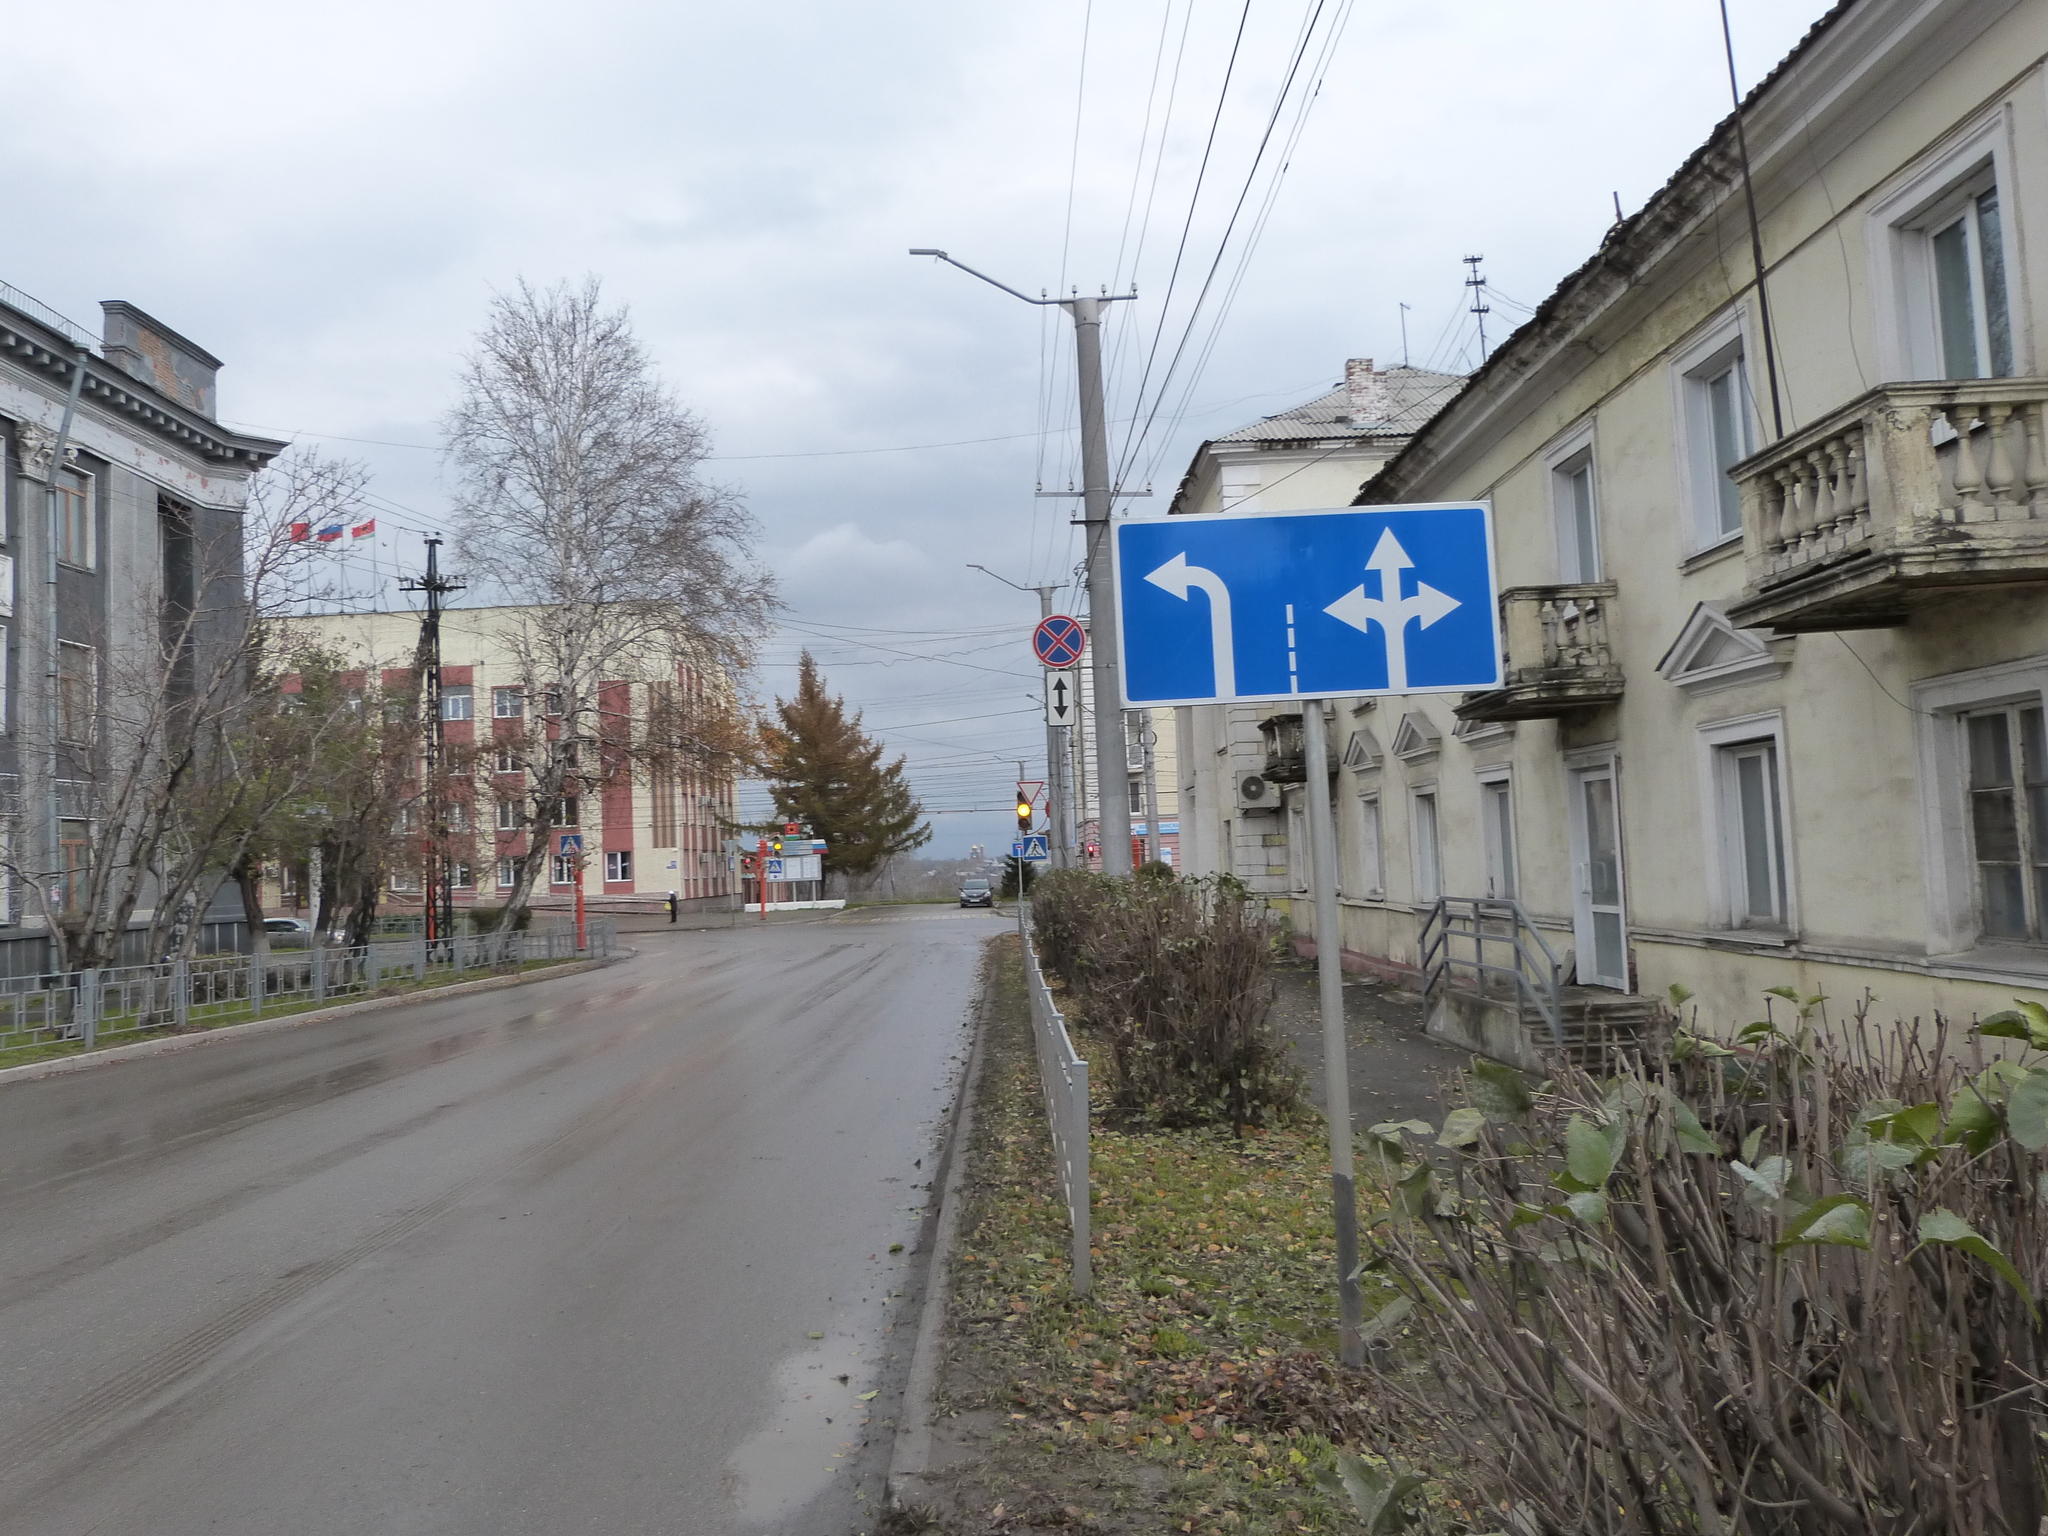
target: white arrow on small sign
1062 698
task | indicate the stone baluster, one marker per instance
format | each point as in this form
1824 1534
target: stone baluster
1798 505
1547 617
1969 479
1769 495
2036 459
1593 634
2001 475
1823 483
1853 495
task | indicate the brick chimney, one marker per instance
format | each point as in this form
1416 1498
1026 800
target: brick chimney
151 351
1372 404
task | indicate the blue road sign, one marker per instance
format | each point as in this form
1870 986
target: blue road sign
1348 600
1032 849
567 843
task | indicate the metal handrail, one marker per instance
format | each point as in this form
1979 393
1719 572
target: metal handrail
1064 1076
1534 969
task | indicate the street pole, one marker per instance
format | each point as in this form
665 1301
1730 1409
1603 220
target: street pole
440 881
1057 822
1322 845
582 931
1112 761
1148 739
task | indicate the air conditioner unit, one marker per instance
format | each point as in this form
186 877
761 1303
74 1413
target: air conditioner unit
1256 792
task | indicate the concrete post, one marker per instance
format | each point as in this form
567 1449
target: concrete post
1112 765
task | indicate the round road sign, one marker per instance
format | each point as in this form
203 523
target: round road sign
1059 640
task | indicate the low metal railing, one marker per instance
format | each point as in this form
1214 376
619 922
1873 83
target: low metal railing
1506 958
101 1006
1064 1077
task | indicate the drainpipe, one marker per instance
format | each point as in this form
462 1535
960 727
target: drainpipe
50 675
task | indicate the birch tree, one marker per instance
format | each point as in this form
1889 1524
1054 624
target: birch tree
580 499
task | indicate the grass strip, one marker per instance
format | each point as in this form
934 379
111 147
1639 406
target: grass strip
1197 1389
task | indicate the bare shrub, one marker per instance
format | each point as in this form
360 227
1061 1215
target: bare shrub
1178 983
1064 905
1786 1289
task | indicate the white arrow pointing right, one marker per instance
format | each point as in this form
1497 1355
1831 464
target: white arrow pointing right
1390 610
1177 576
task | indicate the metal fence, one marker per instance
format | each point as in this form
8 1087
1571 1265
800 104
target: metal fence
1064 1076
103 1006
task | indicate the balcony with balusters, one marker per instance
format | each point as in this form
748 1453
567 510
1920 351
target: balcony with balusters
1559 655
1907 490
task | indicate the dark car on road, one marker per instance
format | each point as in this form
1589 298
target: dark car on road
977 893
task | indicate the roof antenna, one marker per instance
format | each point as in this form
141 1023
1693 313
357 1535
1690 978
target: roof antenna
1617 208
1756 238
1404 335
1478 286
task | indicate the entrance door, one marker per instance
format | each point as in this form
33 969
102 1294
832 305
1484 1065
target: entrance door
1597 913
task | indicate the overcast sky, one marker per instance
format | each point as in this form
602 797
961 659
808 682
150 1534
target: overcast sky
327 197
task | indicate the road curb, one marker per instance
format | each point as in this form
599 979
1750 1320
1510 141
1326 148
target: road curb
911 1455
165 1045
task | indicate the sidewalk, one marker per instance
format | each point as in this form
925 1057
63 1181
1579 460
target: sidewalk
1397 1071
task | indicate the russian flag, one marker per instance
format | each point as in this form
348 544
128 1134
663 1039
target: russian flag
301 532
329 534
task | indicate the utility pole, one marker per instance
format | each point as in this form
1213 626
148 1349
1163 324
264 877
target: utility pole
1061 833
440 873
1478 286
1112 766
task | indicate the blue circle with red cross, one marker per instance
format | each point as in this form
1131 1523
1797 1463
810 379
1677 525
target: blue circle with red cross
1059 640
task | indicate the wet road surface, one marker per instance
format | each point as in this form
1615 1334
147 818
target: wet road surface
607 1253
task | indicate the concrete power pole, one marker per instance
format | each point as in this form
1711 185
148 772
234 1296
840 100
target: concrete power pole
1112 761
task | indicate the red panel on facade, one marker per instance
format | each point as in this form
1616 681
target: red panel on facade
460 677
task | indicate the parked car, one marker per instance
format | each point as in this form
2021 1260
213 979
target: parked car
288 932
977 892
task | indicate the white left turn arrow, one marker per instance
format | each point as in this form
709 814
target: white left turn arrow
1390 610
1177 576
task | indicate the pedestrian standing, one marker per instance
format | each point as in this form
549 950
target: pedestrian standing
674 906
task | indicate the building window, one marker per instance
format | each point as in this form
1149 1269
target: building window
1753 833
509 819
77 688
456 703
460 875
1575 508
456 815
1718 411
1965 270
661 795
564 871
405 882
2008 792
508 703
618 865
1372 874
1497 826
75 519
508 874
568 812
508 761
1429 869
552 699
74 859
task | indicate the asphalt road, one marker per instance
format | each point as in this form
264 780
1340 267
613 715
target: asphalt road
608 1253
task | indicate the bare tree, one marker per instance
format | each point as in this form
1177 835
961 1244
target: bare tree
580 498
154 796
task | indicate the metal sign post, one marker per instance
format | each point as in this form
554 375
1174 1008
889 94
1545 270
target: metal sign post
1294 608
571 846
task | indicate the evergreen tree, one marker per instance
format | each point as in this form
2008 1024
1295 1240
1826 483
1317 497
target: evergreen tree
828 774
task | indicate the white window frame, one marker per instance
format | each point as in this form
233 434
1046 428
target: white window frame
1721 344
618 865
511 815
458 702
1426 857
561 869
1496 839
1976 156
1948 860
461 875
1719 743
92 519
1372 847
1561 461
508 874
507 761
517 700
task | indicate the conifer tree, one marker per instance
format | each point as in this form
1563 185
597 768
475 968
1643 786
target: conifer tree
827 773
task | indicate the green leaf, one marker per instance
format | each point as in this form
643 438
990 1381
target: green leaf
1529 1215
869 1397
1590 1206
1950 1230
1760 1029
1866 1159
1499 1092
1378 1496
1790 994
1386 1319
1878 1109
2026 1112
1394 1128
1752 1144
2006 1025
1766 1180
1692 1136
1841 1220
1922 1122
1413 1191
1462 1128
1591 1151
1681 994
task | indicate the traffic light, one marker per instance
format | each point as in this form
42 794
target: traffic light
1023 815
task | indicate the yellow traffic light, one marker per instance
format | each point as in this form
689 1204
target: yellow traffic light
1023 814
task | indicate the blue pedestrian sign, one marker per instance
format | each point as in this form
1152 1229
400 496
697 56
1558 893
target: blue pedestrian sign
567 843
1031 849
1316 604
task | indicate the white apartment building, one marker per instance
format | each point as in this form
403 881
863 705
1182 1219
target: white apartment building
1776 627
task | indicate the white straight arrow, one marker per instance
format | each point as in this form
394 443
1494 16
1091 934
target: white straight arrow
1390 610
1176 576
